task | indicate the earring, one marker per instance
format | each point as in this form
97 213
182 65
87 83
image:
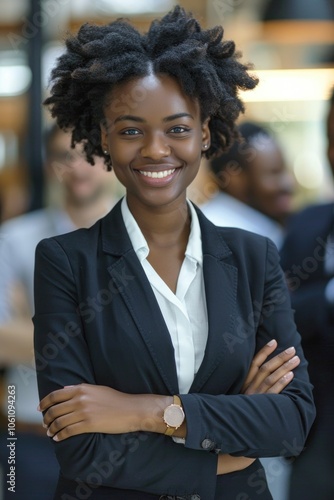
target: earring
205 146
106 152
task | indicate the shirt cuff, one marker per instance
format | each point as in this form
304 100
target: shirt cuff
179 440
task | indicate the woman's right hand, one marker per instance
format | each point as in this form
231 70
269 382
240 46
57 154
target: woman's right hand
264 376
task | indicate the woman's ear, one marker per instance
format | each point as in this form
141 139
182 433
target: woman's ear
105 146
206 136
104 137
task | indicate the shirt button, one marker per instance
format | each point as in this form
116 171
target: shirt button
207 444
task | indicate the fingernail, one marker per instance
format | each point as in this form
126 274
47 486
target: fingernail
290 350
293 360
55 438
44 425
271 343
48 433
288 376
38 408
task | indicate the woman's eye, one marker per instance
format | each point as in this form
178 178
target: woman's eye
179 130
131 131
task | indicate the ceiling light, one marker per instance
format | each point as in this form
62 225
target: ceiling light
291 85
127 7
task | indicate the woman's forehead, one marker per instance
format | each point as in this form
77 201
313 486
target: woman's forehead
160 92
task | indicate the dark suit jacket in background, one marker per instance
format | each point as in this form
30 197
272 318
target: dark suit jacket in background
97 321
303 260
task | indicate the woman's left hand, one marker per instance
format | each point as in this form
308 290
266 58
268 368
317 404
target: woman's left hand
86 408
271 376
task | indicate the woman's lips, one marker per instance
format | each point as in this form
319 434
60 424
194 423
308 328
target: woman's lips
157 178
157 175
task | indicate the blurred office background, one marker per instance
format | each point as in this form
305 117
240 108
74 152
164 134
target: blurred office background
289 42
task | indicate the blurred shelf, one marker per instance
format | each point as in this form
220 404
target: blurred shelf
143 21
297 32
6 28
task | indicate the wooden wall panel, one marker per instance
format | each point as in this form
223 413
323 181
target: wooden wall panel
13 113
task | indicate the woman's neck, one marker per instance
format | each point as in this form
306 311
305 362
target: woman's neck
163 226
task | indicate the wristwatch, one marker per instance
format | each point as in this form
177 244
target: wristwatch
173 416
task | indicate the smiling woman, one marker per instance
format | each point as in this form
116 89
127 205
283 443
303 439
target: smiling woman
167 364
158 147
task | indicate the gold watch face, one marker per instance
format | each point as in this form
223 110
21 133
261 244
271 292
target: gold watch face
173 415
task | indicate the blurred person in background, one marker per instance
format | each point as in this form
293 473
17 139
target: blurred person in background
84 197
256 192
255 187
307 257
1 207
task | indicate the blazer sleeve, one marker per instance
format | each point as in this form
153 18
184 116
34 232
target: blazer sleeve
313 313
141 461
261 425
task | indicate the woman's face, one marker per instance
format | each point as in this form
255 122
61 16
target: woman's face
155 139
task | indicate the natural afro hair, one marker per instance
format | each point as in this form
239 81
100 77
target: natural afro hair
99 57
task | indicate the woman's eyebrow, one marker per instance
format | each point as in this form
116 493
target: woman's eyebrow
176 116
130 118
170 118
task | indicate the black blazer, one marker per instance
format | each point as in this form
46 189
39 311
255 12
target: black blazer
303 258
97 321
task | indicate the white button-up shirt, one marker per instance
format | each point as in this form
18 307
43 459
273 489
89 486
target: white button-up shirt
184 312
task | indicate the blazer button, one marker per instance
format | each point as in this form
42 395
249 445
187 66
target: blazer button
207 444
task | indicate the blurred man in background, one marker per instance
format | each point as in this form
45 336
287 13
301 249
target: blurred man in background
255 194
255 187
83 196
307 257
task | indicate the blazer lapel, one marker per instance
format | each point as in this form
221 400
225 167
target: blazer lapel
132 284
221 292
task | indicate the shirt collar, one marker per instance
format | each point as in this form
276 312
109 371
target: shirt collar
139 243
194 248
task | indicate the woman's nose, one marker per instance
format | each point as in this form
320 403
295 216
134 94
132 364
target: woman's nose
155 147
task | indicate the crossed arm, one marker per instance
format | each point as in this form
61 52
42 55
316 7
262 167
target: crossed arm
86 408
103 421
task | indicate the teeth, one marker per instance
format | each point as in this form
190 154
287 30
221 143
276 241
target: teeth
157 175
